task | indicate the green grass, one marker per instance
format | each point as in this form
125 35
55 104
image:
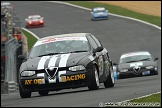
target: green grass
30 38
151 101
120 11
152 98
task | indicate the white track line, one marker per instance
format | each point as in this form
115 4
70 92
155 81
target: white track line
31 33
141 97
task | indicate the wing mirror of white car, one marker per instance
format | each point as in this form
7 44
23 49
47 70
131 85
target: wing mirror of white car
156 58
21 57
91 12
115 64
106 10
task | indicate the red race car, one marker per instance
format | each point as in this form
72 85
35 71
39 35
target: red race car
34 21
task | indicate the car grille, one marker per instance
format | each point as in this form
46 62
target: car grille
137 70
52 73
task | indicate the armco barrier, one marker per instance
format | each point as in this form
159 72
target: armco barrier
11 70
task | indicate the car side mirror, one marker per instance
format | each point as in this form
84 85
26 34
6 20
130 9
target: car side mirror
98 49
115 64
21 57
156 58
106 10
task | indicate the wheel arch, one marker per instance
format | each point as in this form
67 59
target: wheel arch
95 64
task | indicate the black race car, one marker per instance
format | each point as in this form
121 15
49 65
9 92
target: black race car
65 61
138 63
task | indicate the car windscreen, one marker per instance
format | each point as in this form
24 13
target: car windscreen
135 58
59 47
34 18
99 10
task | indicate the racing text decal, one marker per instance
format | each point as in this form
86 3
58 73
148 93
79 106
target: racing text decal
73 77
35 81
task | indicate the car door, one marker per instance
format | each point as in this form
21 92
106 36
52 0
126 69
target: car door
99 55
105 59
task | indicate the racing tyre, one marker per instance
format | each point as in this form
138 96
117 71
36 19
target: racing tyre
110 80
121 77
43 92
156 73
94 81
24 94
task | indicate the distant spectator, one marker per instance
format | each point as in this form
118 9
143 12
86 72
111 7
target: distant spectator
3 38
19 31
17 35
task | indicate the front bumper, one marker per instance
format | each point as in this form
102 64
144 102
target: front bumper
35 25
63 81
99 17
134 74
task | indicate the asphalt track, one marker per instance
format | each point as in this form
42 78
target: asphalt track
117 34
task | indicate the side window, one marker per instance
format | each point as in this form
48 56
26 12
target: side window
92 42
96 40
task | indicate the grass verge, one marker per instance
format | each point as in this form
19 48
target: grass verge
153 100
30 38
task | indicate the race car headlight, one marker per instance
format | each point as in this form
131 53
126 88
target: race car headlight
124 70
77 68
27 73
41 21
156 68
149 67
30 22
